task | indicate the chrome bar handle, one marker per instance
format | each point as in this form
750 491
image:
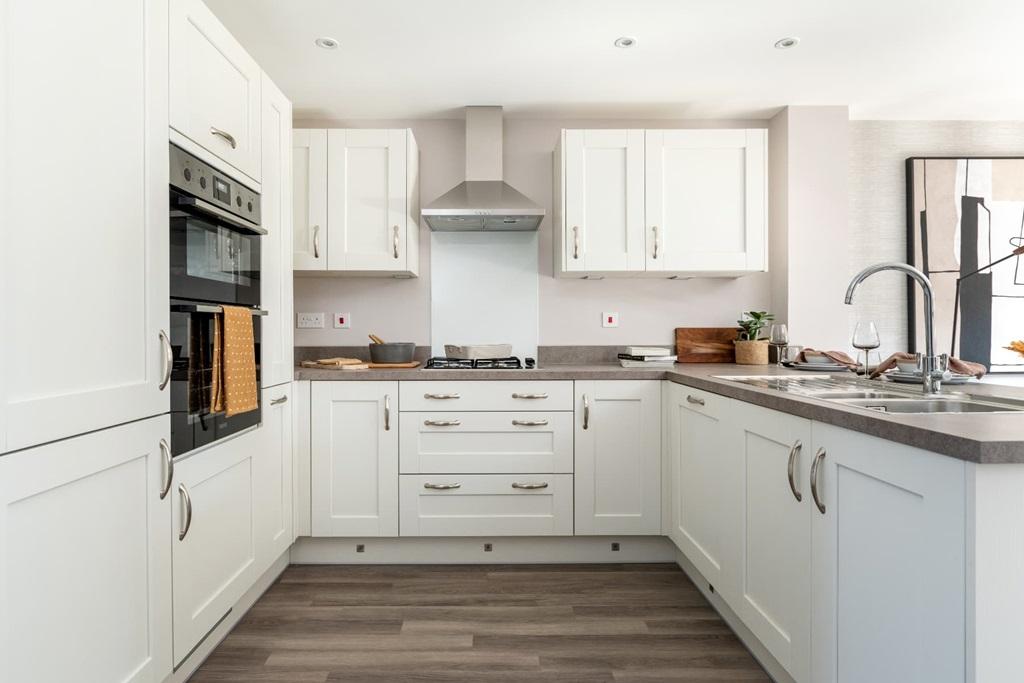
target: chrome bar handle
442 423
531 396
387 412
442 397
529 423
183 492
575 242
279 401
791 470
316 241
690 398
226 136
395 241
586 412
655 229
165 450
168 356
818 457
529 487
441 487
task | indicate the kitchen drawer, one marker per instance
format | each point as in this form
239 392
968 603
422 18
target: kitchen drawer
703 402
516 395
485 505
486 443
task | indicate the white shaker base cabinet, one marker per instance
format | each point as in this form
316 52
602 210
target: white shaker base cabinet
354 458
486 505
888 562
85 565
87 263
772 581
272 478
213 536
703 517
618 457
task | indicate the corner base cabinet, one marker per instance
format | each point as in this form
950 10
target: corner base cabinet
354 458
85 558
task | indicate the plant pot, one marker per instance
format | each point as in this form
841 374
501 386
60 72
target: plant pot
752 352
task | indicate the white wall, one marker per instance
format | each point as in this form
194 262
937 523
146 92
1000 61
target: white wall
877 209
570 310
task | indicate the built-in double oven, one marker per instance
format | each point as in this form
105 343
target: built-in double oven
214 261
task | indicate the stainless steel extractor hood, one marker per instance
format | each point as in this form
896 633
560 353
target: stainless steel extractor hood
483 201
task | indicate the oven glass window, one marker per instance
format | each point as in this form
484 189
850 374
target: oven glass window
218 254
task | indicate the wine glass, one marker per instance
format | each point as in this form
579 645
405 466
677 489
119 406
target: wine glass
865 338
778 336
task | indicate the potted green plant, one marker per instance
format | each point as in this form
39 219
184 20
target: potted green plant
751 349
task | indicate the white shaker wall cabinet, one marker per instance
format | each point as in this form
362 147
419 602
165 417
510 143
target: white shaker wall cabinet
618 457
661 203
214 545
354 458
772 591
85 561
84 267
372 201
706 195
309 199
215 90
278 361
603 200
272 477
888 573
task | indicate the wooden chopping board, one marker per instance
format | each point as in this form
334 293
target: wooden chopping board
706 344
410 364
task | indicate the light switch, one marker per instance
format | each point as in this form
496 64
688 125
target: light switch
342 321
610 319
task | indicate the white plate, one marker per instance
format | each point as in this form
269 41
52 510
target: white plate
817 367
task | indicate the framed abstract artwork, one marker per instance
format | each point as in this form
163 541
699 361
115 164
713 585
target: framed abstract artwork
964 214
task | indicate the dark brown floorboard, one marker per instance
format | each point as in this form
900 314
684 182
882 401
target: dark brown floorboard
488 624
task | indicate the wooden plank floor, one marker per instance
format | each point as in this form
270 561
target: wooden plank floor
641 623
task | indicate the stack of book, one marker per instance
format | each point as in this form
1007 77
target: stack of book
646 357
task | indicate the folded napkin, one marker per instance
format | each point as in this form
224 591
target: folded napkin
957 366
834 356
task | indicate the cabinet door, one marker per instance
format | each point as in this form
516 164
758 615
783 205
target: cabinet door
618 457
213 537
367 200
888 561
272 478
604 200
85 567
772 593
278 362
706 197
354 458
84 263
215 87
704 480
309 201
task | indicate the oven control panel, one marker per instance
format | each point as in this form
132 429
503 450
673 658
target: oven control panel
195 177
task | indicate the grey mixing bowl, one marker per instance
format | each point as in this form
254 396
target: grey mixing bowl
392 352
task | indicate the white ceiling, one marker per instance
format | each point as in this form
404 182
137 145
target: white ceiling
886 59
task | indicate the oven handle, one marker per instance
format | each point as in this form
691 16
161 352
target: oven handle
209 308
201 206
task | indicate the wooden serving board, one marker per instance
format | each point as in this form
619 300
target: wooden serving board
706 344
410 364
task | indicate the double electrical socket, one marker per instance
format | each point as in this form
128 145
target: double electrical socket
308 321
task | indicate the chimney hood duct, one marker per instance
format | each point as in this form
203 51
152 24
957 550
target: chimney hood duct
483 202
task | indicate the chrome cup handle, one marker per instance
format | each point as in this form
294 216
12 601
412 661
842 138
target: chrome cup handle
791 469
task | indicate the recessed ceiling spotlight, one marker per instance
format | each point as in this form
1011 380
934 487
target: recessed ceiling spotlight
786 43
326 43
625 42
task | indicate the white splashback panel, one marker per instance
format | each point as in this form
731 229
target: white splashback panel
484 289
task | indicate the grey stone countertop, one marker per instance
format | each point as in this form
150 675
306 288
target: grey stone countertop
984 438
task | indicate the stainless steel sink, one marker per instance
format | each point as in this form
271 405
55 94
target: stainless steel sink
930 405
844 395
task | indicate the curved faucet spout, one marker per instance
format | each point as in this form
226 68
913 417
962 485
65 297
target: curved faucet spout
930 363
